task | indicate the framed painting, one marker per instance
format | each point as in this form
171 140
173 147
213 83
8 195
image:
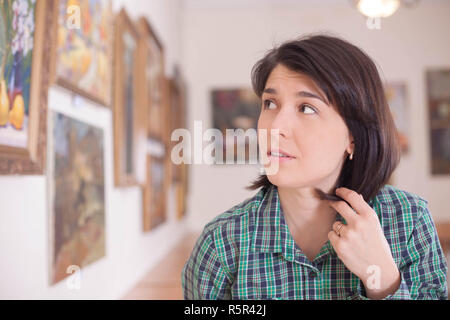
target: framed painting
155 82
76 189
177 115
24 81
83 50
236 108
181 191
127 107
177 93
396 94
438 94
184 174
155 192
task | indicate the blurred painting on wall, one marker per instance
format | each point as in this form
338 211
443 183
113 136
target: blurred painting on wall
396 94
84 48
438 87
177 92
155 192
153 78
76 195
178 172
129 152
128 100
15 70
237 109
24 81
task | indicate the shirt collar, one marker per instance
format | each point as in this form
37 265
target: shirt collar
271 232
268 235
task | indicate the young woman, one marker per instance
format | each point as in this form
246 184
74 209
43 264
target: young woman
300 236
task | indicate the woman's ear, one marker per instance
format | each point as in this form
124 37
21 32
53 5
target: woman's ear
351 148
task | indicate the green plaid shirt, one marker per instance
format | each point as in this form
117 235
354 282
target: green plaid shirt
248 252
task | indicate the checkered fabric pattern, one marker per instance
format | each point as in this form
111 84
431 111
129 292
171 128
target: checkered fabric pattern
247 252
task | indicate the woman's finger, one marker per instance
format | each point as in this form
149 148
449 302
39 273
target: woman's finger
338 227
334 240
344 210
355 200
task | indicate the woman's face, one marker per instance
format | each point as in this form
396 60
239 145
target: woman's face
309 129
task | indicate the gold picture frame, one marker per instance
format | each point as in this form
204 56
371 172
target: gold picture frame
30 157
438 86
83 55
181 191
154 95
178 172
127 105
154 192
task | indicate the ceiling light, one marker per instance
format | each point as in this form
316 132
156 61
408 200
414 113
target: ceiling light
377 8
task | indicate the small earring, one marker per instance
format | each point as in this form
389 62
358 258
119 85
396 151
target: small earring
351 156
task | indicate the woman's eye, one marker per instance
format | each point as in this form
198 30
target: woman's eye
267 104
308 107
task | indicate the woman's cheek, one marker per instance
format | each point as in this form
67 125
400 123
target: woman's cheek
321 150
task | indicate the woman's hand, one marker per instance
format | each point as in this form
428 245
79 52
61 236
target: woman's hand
362 246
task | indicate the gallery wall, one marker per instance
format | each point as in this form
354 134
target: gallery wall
223 40
130 253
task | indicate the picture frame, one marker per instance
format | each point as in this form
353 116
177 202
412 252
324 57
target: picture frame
23 133
178 172
154 192
236 108
155 91
76 195
175 87
438 98
397 96
129 149
182 191
82 54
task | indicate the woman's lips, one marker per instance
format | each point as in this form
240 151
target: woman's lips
280 159
279 152
276 157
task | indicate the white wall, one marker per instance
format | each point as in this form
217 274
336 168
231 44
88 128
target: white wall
24 229
223 39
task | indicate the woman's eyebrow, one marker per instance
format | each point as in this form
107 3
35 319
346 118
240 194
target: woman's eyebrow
300 94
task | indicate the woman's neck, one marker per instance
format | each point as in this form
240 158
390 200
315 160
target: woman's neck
307 216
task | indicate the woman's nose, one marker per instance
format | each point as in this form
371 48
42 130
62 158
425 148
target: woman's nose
282 122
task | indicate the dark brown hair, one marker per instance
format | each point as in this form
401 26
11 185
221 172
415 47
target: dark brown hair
351 82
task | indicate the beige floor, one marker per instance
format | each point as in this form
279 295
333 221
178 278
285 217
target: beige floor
163 282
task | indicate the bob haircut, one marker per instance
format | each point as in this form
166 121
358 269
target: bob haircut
350 80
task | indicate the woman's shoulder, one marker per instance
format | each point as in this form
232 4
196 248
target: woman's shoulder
238 215
225 235
394 196
395 204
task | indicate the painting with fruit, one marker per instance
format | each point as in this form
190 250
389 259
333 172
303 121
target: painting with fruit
83 48
16 48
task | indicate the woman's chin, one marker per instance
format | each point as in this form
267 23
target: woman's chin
280 179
